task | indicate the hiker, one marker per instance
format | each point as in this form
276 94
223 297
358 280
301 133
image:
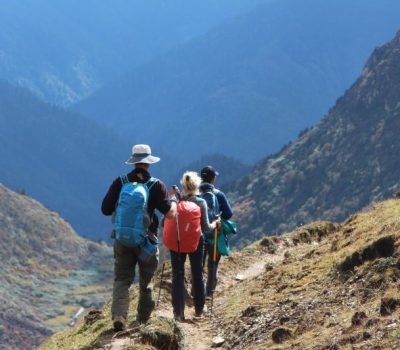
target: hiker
183 236
221 208
135 227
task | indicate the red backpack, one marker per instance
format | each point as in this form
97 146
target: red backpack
188 218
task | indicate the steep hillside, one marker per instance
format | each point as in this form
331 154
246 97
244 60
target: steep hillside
57 157
324 286
249 86
44 267
348 160
62 159
65 50
229 168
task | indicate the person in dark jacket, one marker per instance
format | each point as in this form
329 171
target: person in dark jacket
126 258
209 176
190 184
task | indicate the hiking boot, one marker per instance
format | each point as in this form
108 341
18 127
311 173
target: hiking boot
179 317
119 323
201 313
145 308
141 319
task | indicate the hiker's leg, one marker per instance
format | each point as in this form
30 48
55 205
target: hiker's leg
196 265
212 275
146 303
178 283
124 273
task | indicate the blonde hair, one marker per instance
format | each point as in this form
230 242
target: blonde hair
191 182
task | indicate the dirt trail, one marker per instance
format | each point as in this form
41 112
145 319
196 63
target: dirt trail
199 333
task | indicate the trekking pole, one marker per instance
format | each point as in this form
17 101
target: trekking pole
214 259
162 273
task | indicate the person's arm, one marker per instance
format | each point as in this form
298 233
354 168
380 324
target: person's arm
224 206
111 199
206 226
162 201
172 211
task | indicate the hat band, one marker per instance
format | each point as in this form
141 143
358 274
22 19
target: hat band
141 154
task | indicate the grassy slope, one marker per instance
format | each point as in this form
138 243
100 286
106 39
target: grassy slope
303 288
47 271
309 294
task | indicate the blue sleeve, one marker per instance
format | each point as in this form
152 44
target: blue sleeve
224 206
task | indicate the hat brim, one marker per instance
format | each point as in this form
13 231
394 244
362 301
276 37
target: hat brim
140 159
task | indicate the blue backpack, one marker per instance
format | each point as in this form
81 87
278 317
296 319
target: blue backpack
131 217
212 206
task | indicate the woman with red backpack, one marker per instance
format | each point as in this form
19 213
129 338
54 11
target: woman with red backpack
184 237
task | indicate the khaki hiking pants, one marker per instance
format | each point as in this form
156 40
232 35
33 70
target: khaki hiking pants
124 274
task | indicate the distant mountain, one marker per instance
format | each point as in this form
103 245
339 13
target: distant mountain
229 168
249 86
44 263
348 160
65 50
62 159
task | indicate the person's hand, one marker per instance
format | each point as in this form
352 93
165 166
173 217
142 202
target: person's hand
174 192
218 224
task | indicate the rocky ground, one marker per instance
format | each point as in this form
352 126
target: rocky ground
324 286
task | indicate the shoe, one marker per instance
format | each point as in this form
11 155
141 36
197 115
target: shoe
199 314
119 323
144 313
142 320
179 318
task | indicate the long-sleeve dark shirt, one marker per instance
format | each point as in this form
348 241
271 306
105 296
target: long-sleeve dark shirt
158 197
224 205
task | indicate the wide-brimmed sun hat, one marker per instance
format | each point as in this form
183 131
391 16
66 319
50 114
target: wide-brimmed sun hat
142 154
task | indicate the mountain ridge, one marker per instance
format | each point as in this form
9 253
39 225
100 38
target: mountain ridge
64 52
348 160
269 75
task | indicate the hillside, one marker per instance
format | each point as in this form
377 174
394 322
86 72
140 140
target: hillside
324 286
65 50
348 160
47 272
249 86
62 159
229 168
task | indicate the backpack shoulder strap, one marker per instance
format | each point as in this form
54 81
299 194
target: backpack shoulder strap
124 179
151 182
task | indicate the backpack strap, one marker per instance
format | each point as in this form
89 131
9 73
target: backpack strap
151 182
124 179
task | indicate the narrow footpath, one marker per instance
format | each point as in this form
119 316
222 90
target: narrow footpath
200 333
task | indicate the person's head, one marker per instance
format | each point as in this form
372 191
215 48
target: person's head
141 157
209 174
144 166
190 183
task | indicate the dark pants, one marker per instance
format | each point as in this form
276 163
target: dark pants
212 270
124 274
178 279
